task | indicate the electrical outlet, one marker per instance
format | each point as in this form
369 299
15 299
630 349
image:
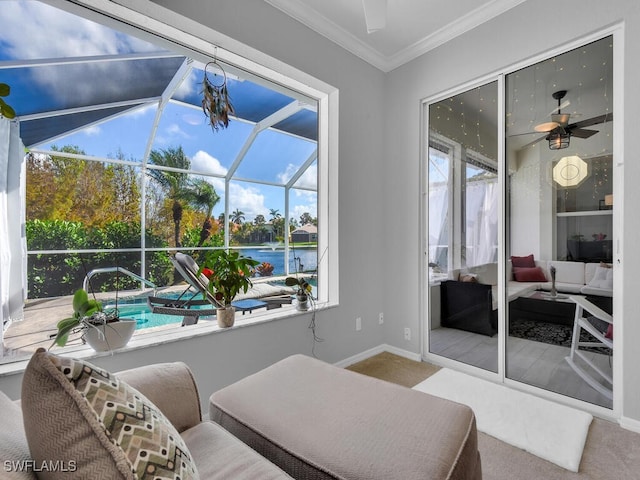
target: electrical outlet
358 324
381 318
407 333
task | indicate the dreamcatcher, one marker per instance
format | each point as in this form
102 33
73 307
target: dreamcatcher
215 102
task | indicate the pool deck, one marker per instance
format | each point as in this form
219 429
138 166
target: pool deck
41 317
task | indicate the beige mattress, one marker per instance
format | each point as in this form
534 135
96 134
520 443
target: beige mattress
315 420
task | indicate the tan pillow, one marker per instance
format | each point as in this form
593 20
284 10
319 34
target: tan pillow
95 425
468 278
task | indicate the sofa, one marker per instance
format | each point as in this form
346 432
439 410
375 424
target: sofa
469 296
299 418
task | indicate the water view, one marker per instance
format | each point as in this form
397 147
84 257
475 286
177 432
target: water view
300 259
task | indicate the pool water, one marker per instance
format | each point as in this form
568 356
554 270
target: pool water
146 319
138 309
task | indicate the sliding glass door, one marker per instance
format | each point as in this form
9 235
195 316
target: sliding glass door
559 146
463 207
521 237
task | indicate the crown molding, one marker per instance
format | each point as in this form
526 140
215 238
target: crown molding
325 27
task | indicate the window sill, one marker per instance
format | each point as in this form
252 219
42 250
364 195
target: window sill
167 335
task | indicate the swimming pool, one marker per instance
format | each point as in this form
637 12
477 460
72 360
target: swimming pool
137 308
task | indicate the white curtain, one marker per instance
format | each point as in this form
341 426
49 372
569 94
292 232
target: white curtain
13 247
438 225
482 204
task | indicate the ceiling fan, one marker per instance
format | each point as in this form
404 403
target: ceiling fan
559 131
375 14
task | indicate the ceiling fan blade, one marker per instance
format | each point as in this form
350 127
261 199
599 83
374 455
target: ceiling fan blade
375 14
607 117
581 132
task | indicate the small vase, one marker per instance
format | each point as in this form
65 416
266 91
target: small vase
110 336
554 292
226 316
302 302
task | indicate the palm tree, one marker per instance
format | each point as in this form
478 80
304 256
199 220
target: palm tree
275 214
237 217
275 220
205 197
176 184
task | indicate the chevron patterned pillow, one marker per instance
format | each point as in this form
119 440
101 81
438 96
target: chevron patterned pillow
83 422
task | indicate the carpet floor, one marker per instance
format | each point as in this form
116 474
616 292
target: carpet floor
610 453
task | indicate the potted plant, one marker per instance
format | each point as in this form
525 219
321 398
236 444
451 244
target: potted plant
102 330
303 293
229 273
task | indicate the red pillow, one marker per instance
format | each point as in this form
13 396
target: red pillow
523 262
609 333
534 274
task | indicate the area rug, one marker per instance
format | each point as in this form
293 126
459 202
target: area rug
551 431
550 333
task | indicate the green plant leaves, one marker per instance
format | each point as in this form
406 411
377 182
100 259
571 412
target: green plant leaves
5 109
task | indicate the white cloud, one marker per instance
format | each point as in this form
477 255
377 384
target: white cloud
247 199
298 210
55 33
92 131
309 178
206 163
175 130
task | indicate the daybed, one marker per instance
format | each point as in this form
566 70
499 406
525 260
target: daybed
305 417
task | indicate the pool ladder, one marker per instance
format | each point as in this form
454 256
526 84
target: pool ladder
87 278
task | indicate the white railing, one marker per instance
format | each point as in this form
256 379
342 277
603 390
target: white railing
122 270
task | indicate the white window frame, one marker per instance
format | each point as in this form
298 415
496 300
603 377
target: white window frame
163 24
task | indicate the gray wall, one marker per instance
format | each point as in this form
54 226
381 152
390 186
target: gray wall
523 32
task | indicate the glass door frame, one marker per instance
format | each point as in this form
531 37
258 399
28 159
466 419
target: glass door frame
425 304
617 32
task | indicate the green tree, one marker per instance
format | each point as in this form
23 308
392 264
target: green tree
237 217
72 189
307 218
259 220
205 197
175 183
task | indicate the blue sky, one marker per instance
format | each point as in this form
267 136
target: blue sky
273 157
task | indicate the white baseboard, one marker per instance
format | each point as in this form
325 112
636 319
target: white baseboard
630 424
375 351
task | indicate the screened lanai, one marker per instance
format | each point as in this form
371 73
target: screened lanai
106 112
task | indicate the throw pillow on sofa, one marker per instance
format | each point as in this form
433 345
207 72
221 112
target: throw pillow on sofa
523 262
602 278
95 425
534 274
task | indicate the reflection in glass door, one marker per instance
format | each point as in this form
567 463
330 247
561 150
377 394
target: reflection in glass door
559 149
463 215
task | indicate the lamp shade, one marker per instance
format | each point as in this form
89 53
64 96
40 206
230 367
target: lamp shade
570 171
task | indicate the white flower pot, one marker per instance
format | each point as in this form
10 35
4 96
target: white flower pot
111 336
302 302
226 316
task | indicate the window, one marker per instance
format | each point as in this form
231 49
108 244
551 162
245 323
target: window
124 169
